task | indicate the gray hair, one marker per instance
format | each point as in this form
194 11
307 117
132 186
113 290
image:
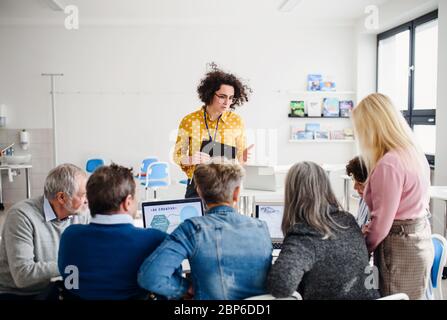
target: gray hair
62 179
217 180
309 199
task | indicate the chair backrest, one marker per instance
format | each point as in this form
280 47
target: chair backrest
440 246
146 163
396 296
93 164
295 296
158 171
145 166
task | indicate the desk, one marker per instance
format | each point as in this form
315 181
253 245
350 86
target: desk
346 180
11 167
138 222
248 197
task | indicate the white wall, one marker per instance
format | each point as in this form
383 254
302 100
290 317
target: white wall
126 88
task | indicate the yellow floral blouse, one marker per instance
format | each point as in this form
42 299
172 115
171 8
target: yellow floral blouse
192 131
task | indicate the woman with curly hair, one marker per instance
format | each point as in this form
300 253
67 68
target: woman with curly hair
214 122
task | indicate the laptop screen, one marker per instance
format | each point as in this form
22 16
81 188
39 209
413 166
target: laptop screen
167 215
272 214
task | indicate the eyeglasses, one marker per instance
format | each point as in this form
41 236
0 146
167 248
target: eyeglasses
223 97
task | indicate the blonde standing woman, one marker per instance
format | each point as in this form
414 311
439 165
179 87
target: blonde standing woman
397 193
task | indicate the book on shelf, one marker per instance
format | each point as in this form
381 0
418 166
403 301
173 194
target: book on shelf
314 108
297 108
322 135
294 132
346 107
305 135
298 133
327 86
349 133
312 127
314 82
331 107
337 135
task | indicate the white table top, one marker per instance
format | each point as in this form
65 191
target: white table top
15 166
328 167
438 192
333 167
264 195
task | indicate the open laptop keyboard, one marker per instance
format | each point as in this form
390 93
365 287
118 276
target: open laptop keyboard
277 245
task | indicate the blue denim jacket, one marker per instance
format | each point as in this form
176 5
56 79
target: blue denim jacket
229 254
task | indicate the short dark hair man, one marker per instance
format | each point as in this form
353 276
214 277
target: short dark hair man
108 252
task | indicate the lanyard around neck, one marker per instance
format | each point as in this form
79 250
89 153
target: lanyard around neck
206 124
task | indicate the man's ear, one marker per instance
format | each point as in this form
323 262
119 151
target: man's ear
236 193
127 203
61 198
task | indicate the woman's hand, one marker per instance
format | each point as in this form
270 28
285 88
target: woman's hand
197 158
247 153
200 157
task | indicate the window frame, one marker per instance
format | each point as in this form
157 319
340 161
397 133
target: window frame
420 116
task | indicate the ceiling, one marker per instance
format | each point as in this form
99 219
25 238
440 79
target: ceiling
184 11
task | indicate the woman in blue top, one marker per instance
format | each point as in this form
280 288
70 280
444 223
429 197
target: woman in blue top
356 169
229 254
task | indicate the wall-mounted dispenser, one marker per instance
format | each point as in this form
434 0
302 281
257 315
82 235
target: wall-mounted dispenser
2 115
24 139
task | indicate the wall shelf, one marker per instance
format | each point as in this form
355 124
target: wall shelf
322 93
306 117
322 141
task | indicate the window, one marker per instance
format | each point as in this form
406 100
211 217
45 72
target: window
407 60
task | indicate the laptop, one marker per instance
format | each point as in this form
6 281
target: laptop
271 213
167 215
217 149
260 177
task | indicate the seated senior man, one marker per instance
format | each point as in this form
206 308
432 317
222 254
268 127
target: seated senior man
108 251
32 231
229 253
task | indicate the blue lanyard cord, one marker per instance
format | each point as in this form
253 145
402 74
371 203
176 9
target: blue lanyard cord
206 124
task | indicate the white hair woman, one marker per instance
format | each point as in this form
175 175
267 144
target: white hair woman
396 192
324 254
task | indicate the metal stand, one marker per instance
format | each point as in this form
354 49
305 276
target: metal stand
53 109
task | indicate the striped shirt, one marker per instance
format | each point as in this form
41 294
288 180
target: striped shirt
362 213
